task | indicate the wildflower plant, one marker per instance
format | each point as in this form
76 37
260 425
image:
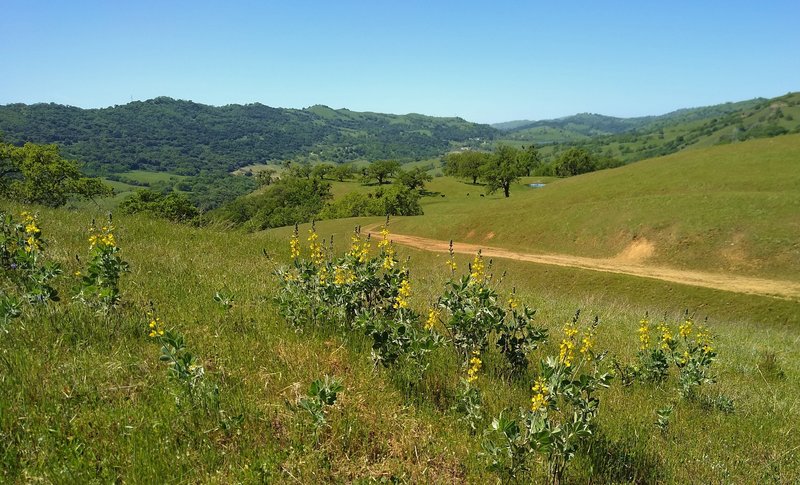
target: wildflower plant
359 290
22 258
685 347
99 283
563 408
476 317
184 367
322 394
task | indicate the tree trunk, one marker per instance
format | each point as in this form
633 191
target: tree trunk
506 187
474 180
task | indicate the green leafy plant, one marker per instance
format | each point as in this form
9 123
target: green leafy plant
224 299
184 368
99 283
321 395
22 258
469 405
563 409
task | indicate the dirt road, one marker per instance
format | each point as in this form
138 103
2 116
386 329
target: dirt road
786 290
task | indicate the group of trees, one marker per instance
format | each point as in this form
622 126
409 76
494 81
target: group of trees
37 174
302 193
498 170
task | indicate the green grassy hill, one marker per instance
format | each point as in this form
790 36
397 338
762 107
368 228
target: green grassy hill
85 397
732 208
631 139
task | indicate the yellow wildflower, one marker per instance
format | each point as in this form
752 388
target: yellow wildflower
294 245
566 352
685 329
314 247
586 345
666 335
403 293
540 395
475 364
343 276
31 228
156 326
477 269
644 334
384 242
433 317
31 244
513 302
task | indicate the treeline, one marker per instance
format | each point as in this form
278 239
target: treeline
303 193
499 169
187 138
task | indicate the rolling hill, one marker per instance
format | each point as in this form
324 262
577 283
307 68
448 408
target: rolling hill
631 139
184 138
730 209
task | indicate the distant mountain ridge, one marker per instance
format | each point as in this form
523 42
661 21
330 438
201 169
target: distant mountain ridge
630 139
183 137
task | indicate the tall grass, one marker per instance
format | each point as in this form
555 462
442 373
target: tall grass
85 398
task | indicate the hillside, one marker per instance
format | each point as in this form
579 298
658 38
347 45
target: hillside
88 396
184 138
631 139
731 209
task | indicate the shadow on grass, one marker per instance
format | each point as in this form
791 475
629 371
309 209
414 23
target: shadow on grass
626 460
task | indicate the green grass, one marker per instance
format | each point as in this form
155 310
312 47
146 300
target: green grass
148 177
86 399
732 209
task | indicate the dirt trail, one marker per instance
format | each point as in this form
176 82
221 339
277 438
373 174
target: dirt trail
787 290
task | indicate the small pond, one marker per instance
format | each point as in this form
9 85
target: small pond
536 186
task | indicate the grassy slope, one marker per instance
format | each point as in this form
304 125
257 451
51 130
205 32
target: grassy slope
733 208
86 398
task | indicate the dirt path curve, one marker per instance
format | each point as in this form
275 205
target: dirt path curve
786 290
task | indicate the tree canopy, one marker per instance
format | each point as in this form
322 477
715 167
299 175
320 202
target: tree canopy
37 174
503 168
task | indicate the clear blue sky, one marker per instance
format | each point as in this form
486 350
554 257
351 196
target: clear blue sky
483 61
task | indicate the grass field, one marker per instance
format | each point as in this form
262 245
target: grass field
85 397
732 208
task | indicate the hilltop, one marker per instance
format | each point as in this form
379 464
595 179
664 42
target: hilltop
631 139
184 138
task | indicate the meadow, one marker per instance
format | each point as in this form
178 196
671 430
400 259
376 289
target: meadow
87 399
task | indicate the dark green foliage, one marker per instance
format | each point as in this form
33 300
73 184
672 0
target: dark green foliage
468 164
396 200
37 174
175 206
183 137
414 178
574 161
380 170
286 202
503 168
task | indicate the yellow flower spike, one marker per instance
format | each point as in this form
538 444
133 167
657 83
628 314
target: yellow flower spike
433 318
294 245
685 328
540 395
477 269
475 364
644 334
403 293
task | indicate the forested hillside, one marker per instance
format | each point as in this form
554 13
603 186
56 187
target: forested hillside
185 138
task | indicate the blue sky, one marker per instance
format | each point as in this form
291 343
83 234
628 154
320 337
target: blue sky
483 61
